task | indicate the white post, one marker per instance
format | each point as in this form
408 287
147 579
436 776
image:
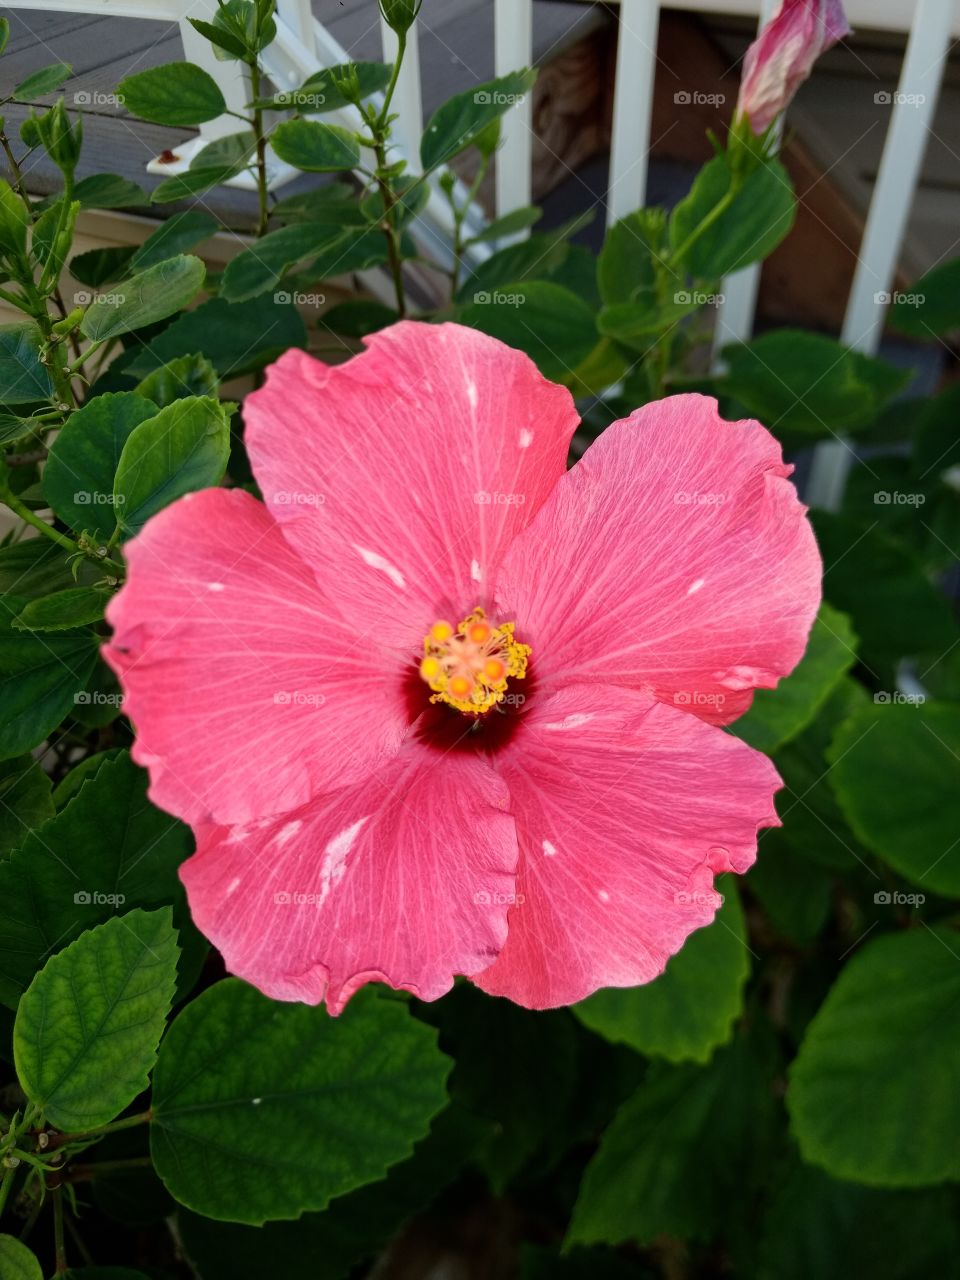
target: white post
232 77
513 50
632 106
912 108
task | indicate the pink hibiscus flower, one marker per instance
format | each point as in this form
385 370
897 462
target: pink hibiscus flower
783 54
438 706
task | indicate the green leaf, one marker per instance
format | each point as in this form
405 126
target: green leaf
107 849
13 220
759 216
508 224
777 715
17 1262
834 1230
32 568
331 253
4 33
231 151
78 478
455 125
357 317
181 377
108 191
808 384
53 236
894 609
46 80
930 307
22 377
334 202
351 1229
795 896
536 258
178 93
686 1013
628 261
551 324
315 147
88 1026
872 1093
533 1093
13 428
145 298
681 1150
890 751
26 800
39 678
191 183
813 826
176 235
99 266
320 92
236 338
262 266
227 44
75 607
183 448
331 1103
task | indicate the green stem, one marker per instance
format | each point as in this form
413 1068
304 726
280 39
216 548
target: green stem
459 214
6 1182
718 210
128 1122
61 539
31 518
59 1244
15 172
262 200
388 96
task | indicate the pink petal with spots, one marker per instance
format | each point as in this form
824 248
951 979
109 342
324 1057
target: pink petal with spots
675 556
247 691
404 474
625 811
403 879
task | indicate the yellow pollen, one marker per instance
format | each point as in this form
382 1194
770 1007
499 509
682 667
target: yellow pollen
468 666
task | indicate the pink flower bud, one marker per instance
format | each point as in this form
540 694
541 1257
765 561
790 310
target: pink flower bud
782 56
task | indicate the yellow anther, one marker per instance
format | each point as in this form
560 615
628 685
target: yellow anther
468 666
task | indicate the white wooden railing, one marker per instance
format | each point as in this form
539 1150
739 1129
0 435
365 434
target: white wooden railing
304 46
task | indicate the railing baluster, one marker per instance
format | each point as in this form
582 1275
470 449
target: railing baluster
513 49
632 106
912 111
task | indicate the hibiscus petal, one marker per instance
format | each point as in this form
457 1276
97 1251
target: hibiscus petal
674 556
625 810
247 691
405 473
404 879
